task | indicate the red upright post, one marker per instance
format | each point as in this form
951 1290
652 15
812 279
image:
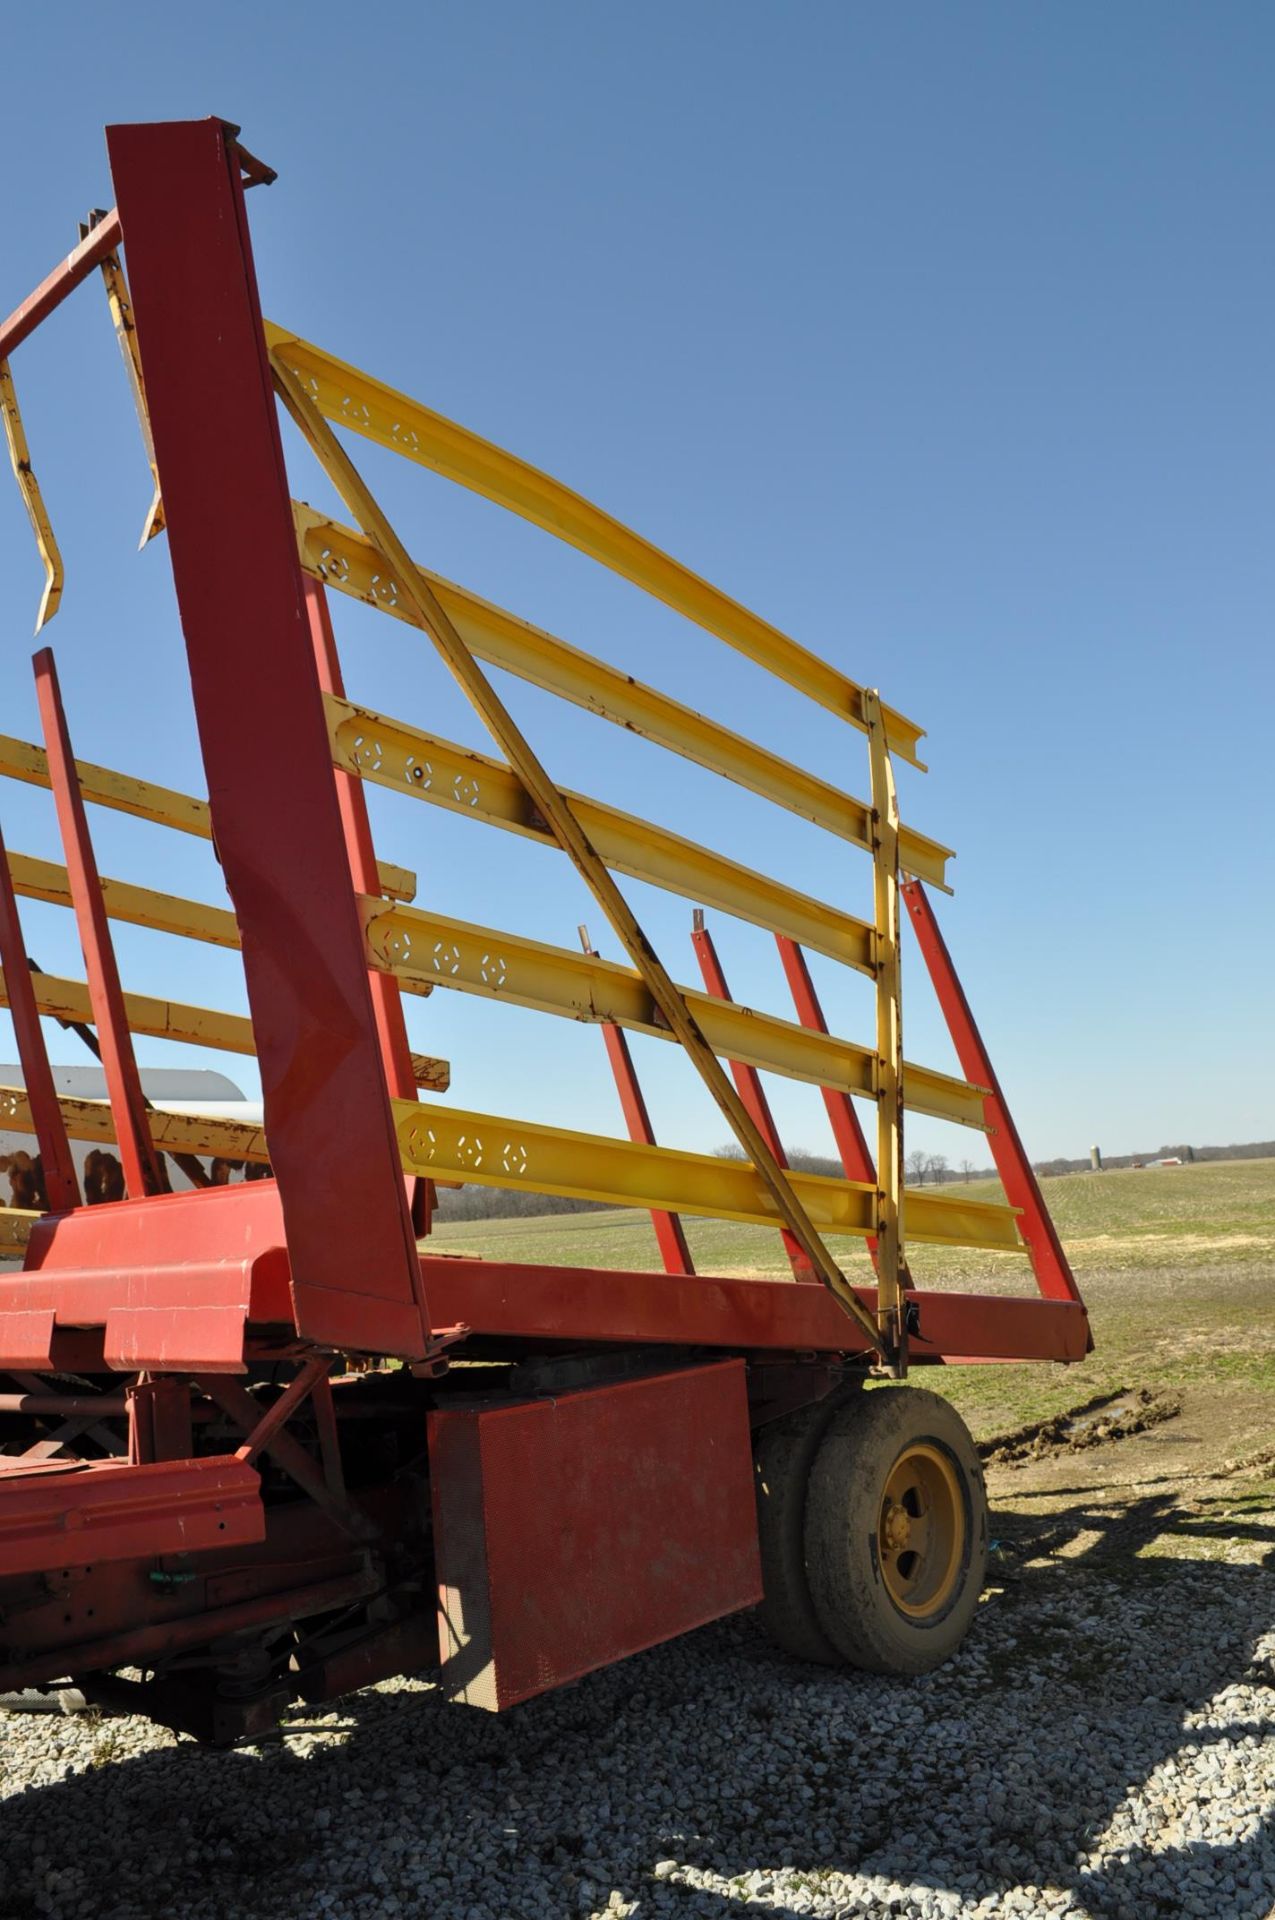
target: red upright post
144 1170
748 1084
275 815
856 1159
387 1001
670 1234
60 1183
1049 1262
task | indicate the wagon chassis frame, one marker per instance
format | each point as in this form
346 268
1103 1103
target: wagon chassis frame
165 1297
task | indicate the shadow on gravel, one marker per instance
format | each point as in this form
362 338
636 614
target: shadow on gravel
1052 1755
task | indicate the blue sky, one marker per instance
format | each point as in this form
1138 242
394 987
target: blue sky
941 336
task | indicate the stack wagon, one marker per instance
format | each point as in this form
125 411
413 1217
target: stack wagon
259 1442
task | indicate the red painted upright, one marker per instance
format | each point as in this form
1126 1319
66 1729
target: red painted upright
1049 1263
265 746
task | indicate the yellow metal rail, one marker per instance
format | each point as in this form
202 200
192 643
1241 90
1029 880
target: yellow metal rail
559 815
488 1150
22 760
392 419
479 788
172 1132
140 906
428 950
346 559
893 1077
159 1019
16 1224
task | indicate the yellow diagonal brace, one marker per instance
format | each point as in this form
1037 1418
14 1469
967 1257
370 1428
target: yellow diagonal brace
354 399
345 559
557 811
160 1019
23 760
32 498
479 788
423 950
490 1151
174 1132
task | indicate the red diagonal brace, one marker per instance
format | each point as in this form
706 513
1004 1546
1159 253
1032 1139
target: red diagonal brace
60 1183
387 1002
748 1084
52 291
1049 1262
670 1234
143 1166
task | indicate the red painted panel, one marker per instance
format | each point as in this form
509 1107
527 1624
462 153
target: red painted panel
26 1337
114 1511
265 746
590 1303
571 1532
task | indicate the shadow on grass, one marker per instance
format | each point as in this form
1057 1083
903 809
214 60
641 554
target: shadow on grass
1002 1770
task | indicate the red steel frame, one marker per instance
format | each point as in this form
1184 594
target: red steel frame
670 1234
143 1167
1049 1263
60 1182
748 1083
330 1039
246 623
186 1289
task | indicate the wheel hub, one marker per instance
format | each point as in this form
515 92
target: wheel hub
922 1531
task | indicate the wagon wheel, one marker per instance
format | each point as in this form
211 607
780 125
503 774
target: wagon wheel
784 1454
895 1531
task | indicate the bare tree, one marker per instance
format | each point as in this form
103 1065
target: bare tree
917 1162
937 1164
967 1169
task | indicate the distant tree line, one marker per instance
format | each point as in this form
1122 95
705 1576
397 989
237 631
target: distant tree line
1247 1150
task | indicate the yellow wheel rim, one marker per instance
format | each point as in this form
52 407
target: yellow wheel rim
921 1532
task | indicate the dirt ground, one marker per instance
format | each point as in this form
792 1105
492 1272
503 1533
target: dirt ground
1195 1480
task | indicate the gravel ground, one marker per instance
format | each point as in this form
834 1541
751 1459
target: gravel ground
1102 1746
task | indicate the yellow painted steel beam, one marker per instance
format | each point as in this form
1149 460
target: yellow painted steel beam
32 498
353 399
174 1132
490 1151
16 1223
557 812
343 558
893 1077
479 788
422 949
140 906
172 1020
434 1075
23 760
161 1019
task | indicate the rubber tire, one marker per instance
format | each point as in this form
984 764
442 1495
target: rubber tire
856 1454
782 1459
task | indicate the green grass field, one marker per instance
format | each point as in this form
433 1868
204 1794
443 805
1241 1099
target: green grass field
1177 1266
